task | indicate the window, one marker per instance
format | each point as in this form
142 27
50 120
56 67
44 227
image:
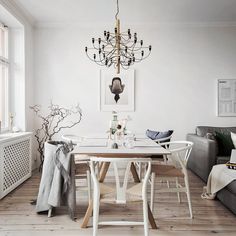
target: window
4 72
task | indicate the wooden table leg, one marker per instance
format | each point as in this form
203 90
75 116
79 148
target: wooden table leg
103 172
134 173
87 215
151 218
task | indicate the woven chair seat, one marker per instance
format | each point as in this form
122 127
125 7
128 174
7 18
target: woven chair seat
166 171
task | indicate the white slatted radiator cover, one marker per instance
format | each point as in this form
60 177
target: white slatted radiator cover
15 164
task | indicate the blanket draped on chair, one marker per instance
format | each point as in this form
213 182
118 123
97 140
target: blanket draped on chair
57 185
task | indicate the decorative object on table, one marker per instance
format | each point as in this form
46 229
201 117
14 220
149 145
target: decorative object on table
129 141
113 123
117 92
114 146
53 122
118 124
117 128
226 97
123 122
120 49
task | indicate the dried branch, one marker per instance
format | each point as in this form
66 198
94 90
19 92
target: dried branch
53 123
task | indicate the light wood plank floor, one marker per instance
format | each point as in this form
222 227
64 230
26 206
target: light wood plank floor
18 217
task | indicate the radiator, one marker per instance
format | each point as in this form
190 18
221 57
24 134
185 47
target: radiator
15 163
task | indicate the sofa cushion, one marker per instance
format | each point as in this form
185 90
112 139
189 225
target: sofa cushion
232 187
222 159
203 130
210 136
225 144
233 137
227 198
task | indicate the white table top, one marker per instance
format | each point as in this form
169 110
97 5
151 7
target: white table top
98 147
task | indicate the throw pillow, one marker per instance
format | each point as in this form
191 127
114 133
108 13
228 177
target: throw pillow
210 136
225 144
233 137
158 135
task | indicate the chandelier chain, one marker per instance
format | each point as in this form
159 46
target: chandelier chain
118 10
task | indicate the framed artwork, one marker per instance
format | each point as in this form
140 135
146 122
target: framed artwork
226 97
117 90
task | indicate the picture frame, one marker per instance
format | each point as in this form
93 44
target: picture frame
117 90
226 96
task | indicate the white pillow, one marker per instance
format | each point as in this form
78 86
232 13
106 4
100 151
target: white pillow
233 137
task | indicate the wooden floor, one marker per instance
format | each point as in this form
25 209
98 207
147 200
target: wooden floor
18 217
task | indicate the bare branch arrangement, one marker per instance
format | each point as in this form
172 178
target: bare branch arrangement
52 123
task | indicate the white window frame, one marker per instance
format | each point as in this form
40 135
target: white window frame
4 61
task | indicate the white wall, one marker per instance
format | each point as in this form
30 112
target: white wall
175 88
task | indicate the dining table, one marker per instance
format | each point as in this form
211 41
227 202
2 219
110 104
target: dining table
96 146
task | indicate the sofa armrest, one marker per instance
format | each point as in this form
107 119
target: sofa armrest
203 155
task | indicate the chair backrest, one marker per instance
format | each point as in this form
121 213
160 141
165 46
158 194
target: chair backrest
118 165
162 140
180 151
72 138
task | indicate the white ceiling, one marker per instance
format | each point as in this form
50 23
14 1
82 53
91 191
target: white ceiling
132 11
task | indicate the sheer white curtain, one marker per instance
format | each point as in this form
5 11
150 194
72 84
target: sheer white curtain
4 74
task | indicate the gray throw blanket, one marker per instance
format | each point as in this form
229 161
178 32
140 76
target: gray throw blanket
57 185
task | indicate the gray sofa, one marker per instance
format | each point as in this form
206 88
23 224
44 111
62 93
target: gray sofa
205 154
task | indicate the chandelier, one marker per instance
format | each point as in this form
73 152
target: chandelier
120 49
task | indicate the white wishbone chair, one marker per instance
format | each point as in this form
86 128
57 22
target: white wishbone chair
139 166
120 193
173 168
